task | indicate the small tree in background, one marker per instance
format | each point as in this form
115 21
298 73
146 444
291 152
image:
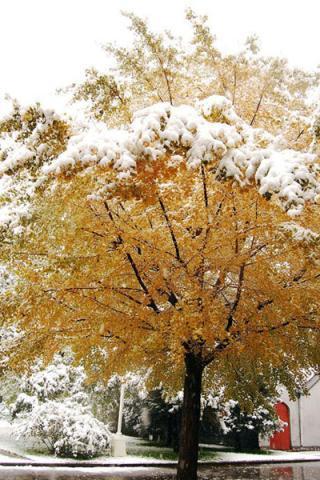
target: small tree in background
105 400
243 429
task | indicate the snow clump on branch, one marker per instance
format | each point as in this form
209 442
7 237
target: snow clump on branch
211 133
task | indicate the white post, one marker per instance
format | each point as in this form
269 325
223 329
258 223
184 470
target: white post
118 444
122 389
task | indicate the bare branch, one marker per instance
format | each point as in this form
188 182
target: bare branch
169 225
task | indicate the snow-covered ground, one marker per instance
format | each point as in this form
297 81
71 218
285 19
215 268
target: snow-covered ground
272 456
14 451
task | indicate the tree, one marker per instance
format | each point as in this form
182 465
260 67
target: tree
175 244
152 243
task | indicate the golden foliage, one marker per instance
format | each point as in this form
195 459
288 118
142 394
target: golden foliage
189 264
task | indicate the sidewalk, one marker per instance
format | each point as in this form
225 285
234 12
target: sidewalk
10 459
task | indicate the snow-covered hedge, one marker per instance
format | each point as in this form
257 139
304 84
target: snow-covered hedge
67 429
53 406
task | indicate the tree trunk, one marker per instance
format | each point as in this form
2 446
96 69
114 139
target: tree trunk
189 434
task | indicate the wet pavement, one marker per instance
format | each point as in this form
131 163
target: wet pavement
120 473
293 471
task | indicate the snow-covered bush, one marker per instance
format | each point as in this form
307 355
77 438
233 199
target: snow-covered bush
53 407
68 429
57 379
263 420
242 424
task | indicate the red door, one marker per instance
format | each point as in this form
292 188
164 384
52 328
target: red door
282 440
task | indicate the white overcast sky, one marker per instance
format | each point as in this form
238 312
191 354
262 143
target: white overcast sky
45 44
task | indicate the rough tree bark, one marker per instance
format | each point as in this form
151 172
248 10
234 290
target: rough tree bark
189 434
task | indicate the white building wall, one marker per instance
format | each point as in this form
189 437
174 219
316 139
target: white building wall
310 417
294 419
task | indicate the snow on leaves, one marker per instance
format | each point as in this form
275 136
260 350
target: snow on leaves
29 137
33 147
211 133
